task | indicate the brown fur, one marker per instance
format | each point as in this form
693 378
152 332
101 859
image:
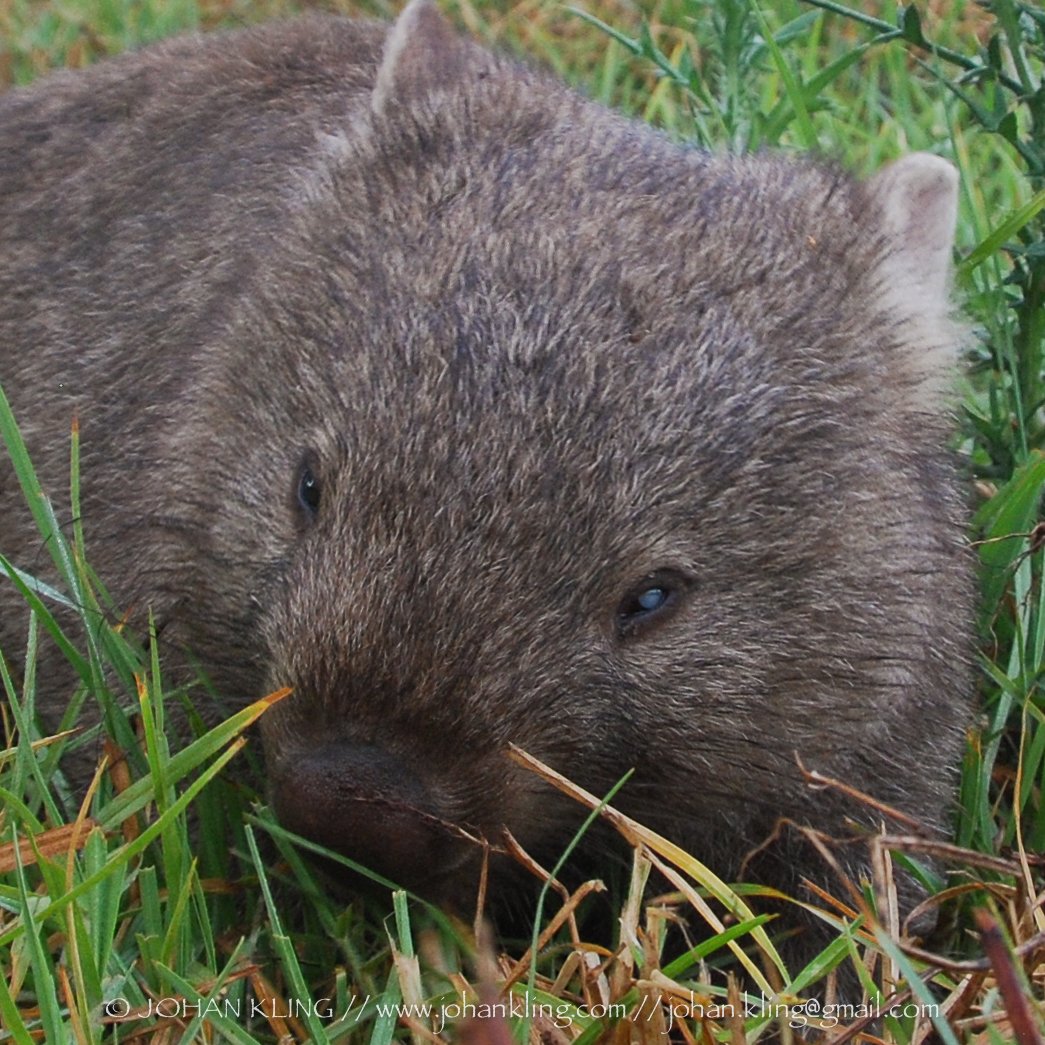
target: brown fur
534 355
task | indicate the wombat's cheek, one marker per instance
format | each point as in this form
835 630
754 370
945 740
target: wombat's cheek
364 803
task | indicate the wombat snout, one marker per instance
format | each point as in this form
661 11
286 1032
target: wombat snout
364 803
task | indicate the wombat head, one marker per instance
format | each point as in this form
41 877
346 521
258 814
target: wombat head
563 436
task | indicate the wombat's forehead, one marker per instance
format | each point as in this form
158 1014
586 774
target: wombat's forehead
535 179
527 408
556 301
536 362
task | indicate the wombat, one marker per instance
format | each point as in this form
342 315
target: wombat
478 414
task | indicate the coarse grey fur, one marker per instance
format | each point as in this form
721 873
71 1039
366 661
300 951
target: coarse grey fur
540 363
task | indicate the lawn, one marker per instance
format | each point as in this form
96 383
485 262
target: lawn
172 907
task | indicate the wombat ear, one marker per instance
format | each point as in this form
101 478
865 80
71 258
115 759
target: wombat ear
918 198
917 201
422 54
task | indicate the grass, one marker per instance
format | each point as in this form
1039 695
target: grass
172 907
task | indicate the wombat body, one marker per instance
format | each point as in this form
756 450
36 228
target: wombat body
479 415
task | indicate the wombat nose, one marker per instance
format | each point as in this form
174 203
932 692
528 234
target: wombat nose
362 802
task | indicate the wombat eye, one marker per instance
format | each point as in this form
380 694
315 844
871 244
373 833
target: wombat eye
308 491
648 602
